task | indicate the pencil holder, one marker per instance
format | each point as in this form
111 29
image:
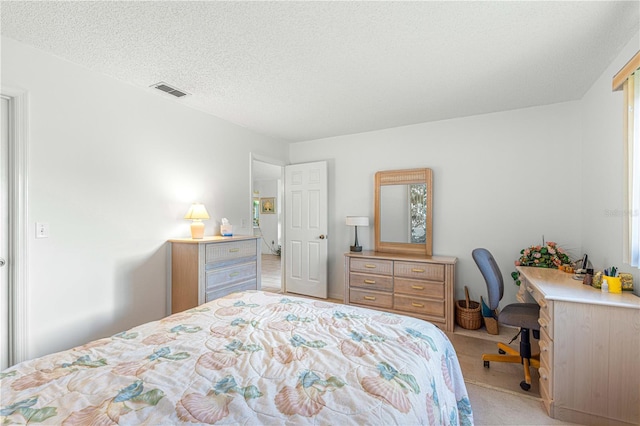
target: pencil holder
615 284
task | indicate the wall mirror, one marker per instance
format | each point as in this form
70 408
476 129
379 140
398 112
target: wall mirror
403 211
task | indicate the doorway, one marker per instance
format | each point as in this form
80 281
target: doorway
267 216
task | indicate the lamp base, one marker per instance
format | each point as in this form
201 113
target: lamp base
356 247
197 230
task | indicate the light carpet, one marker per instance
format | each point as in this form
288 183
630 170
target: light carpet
492 406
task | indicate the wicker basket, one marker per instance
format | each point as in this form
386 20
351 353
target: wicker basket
468 313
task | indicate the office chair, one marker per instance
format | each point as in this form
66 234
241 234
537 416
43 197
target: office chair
522 315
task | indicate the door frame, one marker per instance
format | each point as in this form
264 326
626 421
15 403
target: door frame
18 220
270 160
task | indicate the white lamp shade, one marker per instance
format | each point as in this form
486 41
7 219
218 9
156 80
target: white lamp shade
197 211
357 220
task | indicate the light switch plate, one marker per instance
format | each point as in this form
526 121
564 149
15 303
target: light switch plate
42 230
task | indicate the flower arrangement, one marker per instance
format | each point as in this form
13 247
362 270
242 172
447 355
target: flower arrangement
547 255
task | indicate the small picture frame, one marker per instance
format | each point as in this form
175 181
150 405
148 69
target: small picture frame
267 205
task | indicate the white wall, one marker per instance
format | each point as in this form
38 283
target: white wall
602 168
501 181
112 170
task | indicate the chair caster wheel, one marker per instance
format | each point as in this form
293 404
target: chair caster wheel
501 352
486 364
525 386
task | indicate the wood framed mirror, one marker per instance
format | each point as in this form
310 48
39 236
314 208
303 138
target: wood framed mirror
403 211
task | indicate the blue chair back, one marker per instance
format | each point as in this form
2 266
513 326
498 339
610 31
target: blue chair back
492 275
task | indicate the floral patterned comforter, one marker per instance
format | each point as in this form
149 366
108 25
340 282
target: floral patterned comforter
249 358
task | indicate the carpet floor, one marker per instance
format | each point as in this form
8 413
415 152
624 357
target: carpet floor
493 406
494 392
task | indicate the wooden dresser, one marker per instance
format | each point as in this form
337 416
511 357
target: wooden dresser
415 285
206 269
589 349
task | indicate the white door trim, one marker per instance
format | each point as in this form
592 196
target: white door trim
18 217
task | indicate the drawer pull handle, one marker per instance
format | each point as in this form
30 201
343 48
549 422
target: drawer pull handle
234 274
543 374
417 305
542 303
369 298
543 322
530 290
417 270
370 266
369 281
417 287
234 250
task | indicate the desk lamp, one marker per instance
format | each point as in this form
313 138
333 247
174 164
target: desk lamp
357 221
197 212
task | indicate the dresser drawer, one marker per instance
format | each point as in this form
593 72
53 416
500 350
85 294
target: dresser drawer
223 290
371 282
546 308
223 252
537 296
371 266
371 298
419 305
546 382
434 290
546 350
234 274
546 323
419 270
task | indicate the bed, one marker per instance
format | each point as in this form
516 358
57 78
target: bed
249 358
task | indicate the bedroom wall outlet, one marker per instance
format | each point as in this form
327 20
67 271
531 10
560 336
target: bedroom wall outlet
42 230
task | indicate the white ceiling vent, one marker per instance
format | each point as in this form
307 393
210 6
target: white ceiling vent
169 89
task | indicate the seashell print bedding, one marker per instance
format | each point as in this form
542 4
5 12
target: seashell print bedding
249 358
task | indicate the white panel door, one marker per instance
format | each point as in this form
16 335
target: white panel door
306 246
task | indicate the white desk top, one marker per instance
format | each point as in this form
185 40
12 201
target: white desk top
558 285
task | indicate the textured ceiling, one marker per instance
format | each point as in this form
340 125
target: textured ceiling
307 70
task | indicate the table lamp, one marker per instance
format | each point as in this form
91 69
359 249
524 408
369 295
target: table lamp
197 212
357 221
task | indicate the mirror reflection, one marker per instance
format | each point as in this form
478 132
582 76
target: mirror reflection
403 213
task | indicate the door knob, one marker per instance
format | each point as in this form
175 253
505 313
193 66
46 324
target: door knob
322 237
2 262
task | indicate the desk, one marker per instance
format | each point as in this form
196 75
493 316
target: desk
589 349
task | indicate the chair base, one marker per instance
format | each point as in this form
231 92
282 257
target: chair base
513 356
